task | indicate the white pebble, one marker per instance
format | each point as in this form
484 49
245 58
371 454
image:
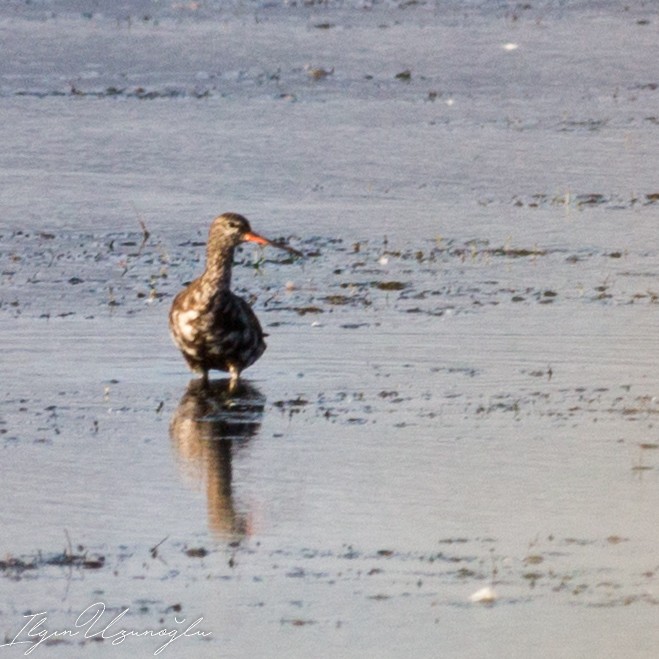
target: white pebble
484 596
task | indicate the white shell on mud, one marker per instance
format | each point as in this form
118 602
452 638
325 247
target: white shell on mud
485 595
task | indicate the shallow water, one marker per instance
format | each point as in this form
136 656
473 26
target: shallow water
459 389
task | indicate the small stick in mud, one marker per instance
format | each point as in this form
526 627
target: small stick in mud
145 232
69 551
154 549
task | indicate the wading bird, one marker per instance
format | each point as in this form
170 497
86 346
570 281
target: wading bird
213 327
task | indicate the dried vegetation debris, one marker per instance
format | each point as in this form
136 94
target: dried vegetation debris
541 399
15 567
581 201
581 571
91 274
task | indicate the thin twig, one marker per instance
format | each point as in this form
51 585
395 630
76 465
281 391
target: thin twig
154 549
145 232
68 540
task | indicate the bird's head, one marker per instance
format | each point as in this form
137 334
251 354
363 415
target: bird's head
234 229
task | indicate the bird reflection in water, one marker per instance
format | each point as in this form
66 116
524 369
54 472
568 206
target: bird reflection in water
211 424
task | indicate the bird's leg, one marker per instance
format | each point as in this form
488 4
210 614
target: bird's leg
234 373
204 379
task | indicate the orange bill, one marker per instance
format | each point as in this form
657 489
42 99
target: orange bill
252 237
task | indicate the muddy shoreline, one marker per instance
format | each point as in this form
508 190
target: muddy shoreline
450 446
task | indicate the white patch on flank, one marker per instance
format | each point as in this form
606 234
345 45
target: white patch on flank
185 320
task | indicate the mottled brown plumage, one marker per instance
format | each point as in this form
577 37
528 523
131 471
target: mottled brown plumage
213 327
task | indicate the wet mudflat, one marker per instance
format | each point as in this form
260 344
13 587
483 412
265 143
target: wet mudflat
450 445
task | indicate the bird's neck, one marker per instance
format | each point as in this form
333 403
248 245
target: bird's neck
219 260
